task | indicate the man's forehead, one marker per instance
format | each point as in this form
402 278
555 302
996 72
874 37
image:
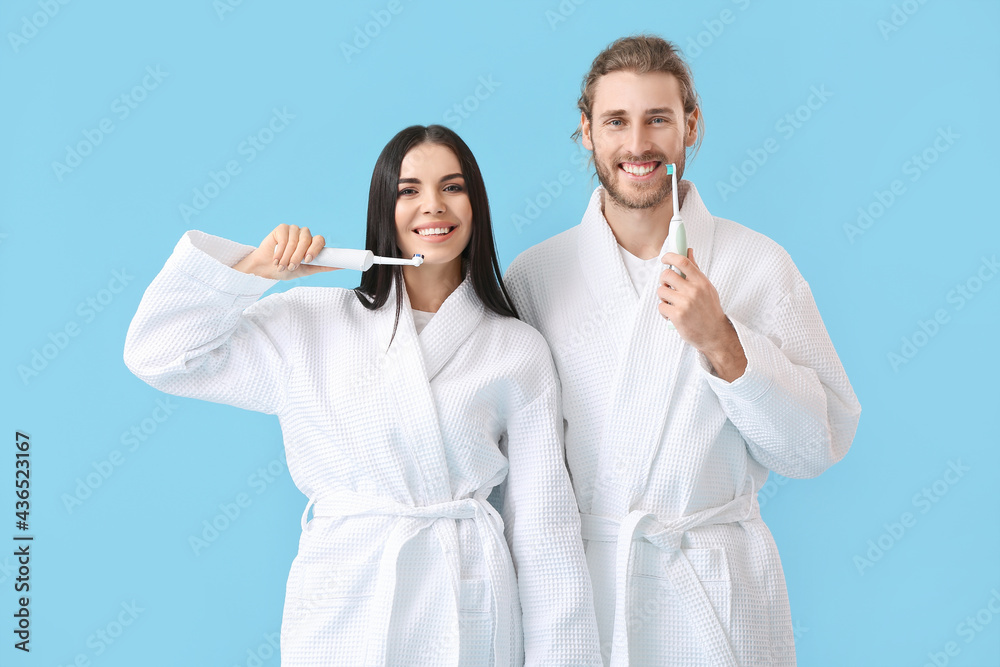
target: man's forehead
636 92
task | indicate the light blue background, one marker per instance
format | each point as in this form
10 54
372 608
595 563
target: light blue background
61 241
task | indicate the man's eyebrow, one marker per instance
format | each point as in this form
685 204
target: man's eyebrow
611 113
443 179
657 111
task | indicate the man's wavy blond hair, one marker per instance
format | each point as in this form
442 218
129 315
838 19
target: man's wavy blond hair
641 54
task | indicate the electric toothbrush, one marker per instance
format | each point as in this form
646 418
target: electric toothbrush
676 236
358 260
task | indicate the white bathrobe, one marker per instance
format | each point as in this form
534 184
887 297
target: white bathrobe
398 446
666 457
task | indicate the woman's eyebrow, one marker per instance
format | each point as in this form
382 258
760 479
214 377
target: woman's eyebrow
443 178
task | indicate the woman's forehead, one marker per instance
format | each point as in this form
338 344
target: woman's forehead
430 160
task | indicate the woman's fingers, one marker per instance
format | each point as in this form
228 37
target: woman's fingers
280 238
301 248
318 243
290 247
281 254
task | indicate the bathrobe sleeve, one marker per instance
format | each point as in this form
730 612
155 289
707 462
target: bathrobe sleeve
200 331
794 405
542 527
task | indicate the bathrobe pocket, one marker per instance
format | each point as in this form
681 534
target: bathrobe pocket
657 611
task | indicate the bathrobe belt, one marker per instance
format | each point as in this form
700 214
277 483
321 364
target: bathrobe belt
667 536
413 520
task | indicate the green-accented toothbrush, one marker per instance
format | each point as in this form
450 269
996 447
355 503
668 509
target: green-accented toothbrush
677 236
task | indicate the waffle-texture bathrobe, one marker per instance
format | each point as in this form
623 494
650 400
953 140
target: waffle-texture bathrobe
397 446
666 457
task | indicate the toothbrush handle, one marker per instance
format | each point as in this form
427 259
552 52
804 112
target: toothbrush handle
344 258
677 242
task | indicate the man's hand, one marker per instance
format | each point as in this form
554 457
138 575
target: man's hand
693 305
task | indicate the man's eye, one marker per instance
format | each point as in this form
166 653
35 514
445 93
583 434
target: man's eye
614 122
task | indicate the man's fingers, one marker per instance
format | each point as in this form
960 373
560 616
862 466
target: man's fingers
670 277
684 264
667 310
671 296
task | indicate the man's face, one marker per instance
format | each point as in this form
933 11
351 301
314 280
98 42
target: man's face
638 128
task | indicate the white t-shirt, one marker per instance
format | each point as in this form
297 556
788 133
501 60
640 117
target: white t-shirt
420 319
641 271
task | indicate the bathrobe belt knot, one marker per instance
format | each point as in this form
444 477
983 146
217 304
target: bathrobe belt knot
667 536
438 517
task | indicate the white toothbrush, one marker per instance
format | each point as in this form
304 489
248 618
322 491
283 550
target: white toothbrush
358 260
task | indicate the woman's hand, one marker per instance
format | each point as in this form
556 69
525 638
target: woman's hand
281 253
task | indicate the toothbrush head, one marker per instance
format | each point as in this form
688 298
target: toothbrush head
418 259
670 169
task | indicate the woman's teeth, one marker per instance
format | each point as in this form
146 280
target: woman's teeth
637 170
435 231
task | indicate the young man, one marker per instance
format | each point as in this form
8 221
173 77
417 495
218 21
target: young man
671 430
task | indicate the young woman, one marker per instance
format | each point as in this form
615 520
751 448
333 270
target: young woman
403 404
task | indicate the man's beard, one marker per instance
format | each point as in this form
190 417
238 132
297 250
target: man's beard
647 195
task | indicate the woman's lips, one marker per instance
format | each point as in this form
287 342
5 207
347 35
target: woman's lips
436 238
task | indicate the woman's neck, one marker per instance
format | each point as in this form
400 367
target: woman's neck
429 285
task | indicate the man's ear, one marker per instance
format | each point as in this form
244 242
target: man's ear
691 133
585 137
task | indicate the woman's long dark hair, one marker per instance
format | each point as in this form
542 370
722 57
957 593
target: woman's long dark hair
480 255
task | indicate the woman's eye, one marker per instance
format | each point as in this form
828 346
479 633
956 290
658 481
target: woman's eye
454 187
406 191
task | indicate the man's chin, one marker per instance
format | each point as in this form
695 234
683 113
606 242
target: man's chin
635 198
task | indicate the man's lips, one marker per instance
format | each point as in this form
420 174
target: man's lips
640 170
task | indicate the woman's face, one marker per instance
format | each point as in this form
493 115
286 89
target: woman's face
433 212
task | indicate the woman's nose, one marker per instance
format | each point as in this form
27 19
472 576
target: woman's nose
433 204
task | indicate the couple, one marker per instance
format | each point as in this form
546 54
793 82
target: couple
414 405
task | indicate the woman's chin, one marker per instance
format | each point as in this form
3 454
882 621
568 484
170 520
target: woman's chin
435 259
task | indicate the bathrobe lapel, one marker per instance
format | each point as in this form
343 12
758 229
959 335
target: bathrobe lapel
651 354
409 363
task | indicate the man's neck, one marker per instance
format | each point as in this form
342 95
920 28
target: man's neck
641 232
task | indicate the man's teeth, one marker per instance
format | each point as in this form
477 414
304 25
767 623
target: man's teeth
434 230
636 170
